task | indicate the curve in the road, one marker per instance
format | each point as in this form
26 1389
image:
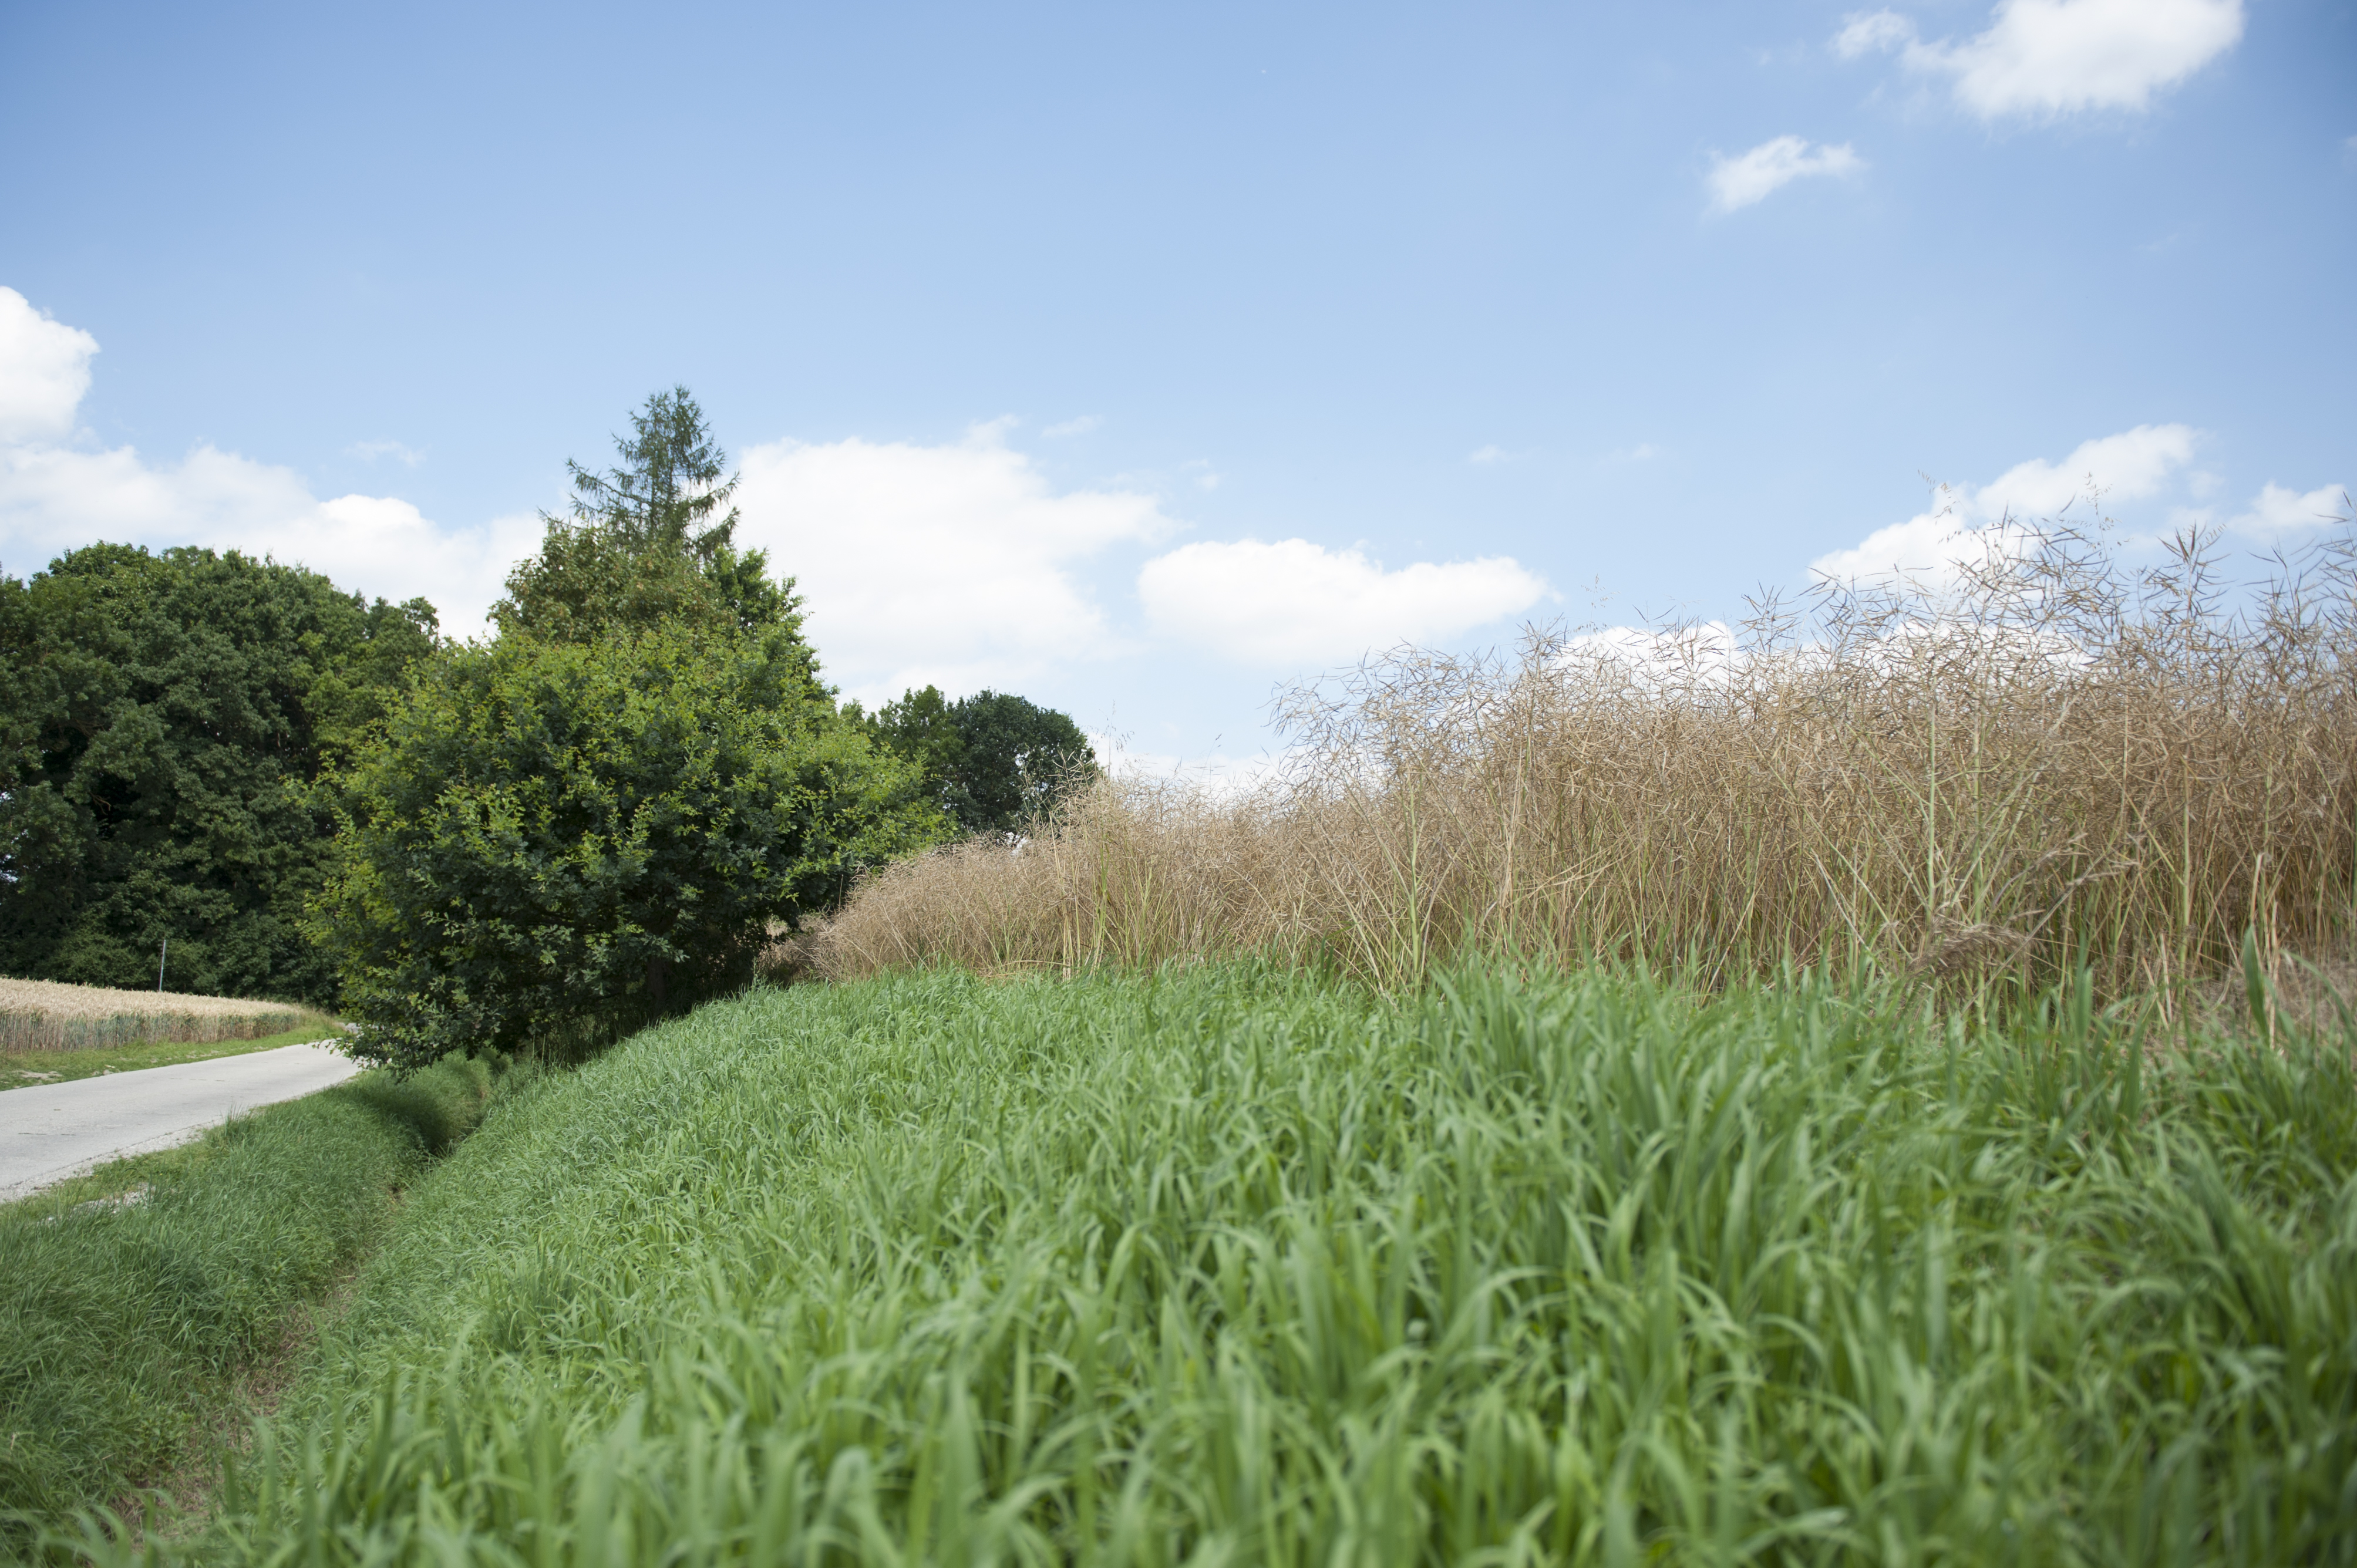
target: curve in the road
53 1131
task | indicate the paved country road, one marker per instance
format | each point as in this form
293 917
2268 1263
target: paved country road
53 1131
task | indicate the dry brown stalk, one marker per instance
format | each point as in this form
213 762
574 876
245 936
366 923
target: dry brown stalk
2047 760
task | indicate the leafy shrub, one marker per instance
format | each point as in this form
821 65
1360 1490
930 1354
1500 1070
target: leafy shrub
554 841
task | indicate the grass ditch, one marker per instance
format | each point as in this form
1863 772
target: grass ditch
23 1069
132 1299
1226 1263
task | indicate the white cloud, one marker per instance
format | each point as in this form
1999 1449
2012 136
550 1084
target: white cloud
949 566
1703 653
369 451
2047 58
44 370
1485 455
2276 513
1215 773
2129 466
1738 182
1293 603
1866 31
55 497
1080 426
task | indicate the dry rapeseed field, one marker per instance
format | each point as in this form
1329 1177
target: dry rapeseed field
2046 761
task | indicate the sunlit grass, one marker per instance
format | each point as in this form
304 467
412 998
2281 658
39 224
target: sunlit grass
124 1326
1228 1266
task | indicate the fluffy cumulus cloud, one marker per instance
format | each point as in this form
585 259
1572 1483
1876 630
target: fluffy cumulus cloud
2130 466
44 370
2047 58
58 493
1752 176
2278 513
955 566
1294 605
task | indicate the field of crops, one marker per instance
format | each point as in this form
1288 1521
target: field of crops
49 1016
1231 1265
2057 763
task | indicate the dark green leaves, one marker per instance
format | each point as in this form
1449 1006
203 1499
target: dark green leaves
163 720
557 841
994 761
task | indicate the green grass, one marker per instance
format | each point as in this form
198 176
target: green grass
23 1069
1226 1266
124 1329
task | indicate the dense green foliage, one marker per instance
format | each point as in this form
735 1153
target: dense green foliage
121 1327
1223 1267
610 810
993 762
555 840
164 719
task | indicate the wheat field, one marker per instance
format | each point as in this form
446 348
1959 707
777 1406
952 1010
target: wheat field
50 1015
2044 760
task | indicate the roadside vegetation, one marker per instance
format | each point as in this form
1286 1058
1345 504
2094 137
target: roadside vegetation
133 1300
1871 1084
1224 1265
22 1070
2048 763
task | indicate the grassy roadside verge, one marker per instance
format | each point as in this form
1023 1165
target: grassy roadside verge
22 1070
123 1326
1232 1266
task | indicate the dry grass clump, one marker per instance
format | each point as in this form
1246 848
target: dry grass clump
2043 761
49 1016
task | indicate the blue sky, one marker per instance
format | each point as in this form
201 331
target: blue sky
1143 359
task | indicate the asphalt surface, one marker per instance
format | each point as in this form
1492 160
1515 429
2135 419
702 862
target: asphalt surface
52 1131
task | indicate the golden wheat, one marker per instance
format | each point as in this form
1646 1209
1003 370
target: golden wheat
45 1014
2042 761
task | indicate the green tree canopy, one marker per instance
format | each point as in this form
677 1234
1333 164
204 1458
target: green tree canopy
164 722
665 493
647 545
993 762
601 815
555 842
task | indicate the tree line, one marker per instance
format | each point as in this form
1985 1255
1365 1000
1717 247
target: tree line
603 812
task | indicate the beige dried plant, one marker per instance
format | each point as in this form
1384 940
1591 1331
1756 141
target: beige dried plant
47 1016
2042 760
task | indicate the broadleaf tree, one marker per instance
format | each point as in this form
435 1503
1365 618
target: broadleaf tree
166 719
995 762
610 809
553 842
